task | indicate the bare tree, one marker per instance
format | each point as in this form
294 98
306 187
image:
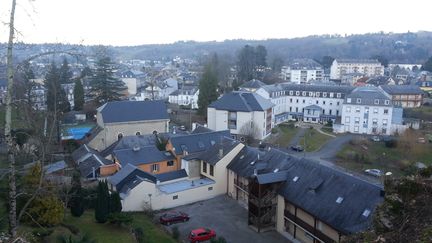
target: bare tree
248 132
8 121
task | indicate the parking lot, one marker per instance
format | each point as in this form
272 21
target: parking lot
227 218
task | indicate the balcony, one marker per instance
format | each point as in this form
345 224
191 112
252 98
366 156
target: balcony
305 226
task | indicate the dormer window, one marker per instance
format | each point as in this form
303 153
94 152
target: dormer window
376 102
317 94
348 100
339 200
387 102
358 100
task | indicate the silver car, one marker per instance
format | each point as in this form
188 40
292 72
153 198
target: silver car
374 172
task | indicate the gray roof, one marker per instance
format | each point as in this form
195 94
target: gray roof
193 143
241 101
363 61
128 177
368 95
343 89
212 154
129 142
313 107
141 155
254 84
82 151
173 175
401 89
127 111
315 189
51 168
305 64
90 163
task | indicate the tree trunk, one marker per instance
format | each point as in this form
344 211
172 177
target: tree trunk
8 123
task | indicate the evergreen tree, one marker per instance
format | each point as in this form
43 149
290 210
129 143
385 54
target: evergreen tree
251 61
78 95
260 56
207 89
115 203
56 96
77 201
65 72
427 66
104 86
102 202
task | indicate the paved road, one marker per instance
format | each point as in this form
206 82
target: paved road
227 218
295 140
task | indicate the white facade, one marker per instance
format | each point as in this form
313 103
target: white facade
131 84
258 124
301 75
369 68
185 98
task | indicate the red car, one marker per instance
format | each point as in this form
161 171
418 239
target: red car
173 217
201 234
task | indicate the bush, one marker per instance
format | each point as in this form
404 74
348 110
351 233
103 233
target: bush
47 210
391 143
426 172
175 233
120 218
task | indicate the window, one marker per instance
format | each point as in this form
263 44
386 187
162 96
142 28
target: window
338 95
137 133
317 102
337 103
375 121
175 197
357 109
358 100
304 101
348 109
356 128
232 120
291 92
297 101
304 93
331 95
204 165
384 122
211 170
376 102
387 102
310 94
357 120
210 188
376 110
155 167
384 131
347 119
325 94
317 94
290 100
348 100
297 92
385 111
170 163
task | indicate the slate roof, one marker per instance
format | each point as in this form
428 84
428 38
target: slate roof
312 187
91 162
368 95
212 156
363 61
401 89
141 155
51 168
173 175
305 64
129 142
241 101
128 177
343 89
193 143
130 111
254 84
81 151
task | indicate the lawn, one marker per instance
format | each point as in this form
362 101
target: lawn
367 154
284 133
106 233
314 140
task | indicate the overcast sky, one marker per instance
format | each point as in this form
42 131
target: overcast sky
134 22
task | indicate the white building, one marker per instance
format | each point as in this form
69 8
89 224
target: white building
160 90
368 67
369 110
302 71
293 100
186 96
243 113
69 91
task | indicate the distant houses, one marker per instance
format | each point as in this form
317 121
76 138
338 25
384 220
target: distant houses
301 71
187 96
368 67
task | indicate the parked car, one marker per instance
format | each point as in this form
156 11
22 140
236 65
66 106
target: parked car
375 138
374 172
297 148
173 217
201 234
182 128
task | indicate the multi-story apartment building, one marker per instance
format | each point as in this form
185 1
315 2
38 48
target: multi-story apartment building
369 110
368 67
302 71
295 101
243 113
406 96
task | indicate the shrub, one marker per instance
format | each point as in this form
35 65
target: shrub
426 172
120 218
47 210
139 234
391 143
175 233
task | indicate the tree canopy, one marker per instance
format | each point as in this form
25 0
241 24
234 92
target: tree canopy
251 62
207 88
56 97
427 66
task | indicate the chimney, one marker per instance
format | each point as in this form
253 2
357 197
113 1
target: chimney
220 153
194 125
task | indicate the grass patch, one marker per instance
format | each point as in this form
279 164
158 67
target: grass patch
284 133
314 140
365 154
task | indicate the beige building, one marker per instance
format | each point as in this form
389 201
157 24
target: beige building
406 96
367 67
125 118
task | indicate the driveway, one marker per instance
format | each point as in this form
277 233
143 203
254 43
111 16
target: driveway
227 218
